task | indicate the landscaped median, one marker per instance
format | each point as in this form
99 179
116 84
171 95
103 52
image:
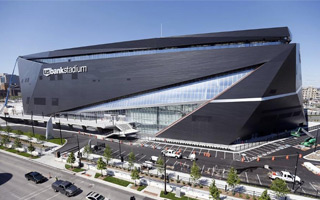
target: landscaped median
114 180
69 167
25 154
171 195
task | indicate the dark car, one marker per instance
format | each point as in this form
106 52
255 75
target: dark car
35 177
65 187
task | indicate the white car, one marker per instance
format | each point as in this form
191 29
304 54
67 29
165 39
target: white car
171 153
284 175
95 196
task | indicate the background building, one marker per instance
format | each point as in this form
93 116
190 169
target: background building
215 87
4 83
310 93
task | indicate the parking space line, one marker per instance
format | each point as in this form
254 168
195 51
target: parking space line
313 186
200 151
185 149
216 153
175 163
303 190
224 155
167 160
53 196
202 169
247 177
158 145
164 146
142 157
114 152
171 147
259 179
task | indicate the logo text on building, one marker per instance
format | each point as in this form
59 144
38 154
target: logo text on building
65 70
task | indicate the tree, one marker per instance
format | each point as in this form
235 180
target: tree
160 166
71 159
280 187
195 172
101 165
135 175
233 178
131 159
214 192
5 140
31 147
107 154
87 150
264 196
17 143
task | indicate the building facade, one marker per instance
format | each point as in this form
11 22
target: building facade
215 87
4 84
310 93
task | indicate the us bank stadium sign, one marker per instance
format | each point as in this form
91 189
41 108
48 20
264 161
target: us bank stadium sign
65 70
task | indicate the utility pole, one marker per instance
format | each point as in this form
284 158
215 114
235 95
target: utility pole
32 123
315 146
295 172
165 175
61 133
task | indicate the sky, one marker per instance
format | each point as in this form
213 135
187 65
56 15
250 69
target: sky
28 27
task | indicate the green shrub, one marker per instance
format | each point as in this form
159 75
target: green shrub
97 175
117 181
140 188
247 196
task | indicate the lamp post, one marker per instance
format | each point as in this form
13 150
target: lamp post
295 171
32 123
315 146
79 154
61 134
165 174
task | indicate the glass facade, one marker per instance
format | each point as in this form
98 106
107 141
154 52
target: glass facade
156 110
154 51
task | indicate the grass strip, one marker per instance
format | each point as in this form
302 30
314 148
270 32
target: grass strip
25 154
97 175
141 187
73 169
117 181
171 195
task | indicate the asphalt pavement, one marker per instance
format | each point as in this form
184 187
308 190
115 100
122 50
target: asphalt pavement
13 184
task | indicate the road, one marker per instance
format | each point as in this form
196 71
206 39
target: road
13 184
215 166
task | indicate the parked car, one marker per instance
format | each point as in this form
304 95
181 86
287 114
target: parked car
35 177
171 153
95 196
284 175
65 187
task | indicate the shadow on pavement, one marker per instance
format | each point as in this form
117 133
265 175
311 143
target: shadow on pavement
5 177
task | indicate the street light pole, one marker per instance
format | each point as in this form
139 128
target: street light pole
32 123
165 175
315 146
295 172
61 133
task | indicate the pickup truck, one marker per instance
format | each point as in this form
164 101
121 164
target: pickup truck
65 187
171 153
284 175
35 177
147 164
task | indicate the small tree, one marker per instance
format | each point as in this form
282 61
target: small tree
214 192
87 150
131 159
233 178
195 172
17 143
279 187
135 175
160 167
101 165
31 147
8 129
71 159
107 154
5 140
264 196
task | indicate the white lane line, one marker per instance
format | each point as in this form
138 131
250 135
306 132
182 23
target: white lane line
303 190
200 151
32 193
185 149
192 150
164 146
313 186
247 177
36 194
158 145
202 169
175 163
142 157
114 152
224 157
15 196
259 179
216 153
171 147
167 160
53 196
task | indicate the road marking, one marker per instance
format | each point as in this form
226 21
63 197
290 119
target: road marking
142 157
32 193
167 160
53 196
247 177
216 153
313 186
158 145
185 149
175 163
303 190
15 196
224 155
200 151
259 179
202 169
36 194
171 147
164 146
114 152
